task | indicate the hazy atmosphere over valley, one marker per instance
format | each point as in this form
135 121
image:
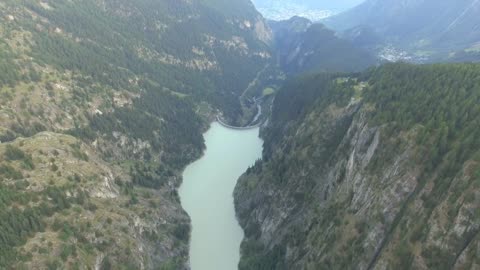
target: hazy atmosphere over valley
314 10
240 135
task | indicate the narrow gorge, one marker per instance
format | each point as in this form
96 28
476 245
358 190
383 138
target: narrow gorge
317 152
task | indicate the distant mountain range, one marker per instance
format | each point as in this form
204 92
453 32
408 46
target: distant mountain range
284 10
426 28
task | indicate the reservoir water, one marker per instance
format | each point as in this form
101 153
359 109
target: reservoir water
206 195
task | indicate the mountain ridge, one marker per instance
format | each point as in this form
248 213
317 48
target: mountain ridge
376 170
306 47
438 27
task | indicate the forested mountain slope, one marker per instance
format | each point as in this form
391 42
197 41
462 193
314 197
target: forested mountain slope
378 170
303 47
102 104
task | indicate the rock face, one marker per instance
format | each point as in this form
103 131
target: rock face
263 31
340 190
88 218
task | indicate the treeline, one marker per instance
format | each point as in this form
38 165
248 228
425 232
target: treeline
430 112
9 74
108 53
167 122
20 221
443 102
110 49
16 226
301 95
150 176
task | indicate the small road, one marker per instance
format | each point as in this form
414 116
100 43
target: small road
253 82
252 123
259 113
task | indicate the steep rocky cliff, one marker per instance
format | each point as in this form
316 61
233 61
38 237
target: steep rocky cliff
373 171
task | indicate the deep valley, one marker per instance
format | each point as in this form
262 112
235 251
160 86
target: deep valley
368 162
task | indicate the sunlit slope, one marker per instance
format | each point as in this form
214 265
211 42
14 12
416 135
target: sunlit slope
102 104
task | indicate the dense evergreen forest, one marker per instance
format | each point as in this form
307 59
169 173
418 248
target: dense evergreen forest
340 147
8 69
444 100
114 58
147 52
122 92
103 103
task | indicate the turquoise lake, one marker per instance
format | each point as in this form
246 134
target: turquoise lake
207 196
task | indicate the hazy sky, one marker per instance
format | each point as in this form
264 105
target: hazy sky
334 5
311 9
330 4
